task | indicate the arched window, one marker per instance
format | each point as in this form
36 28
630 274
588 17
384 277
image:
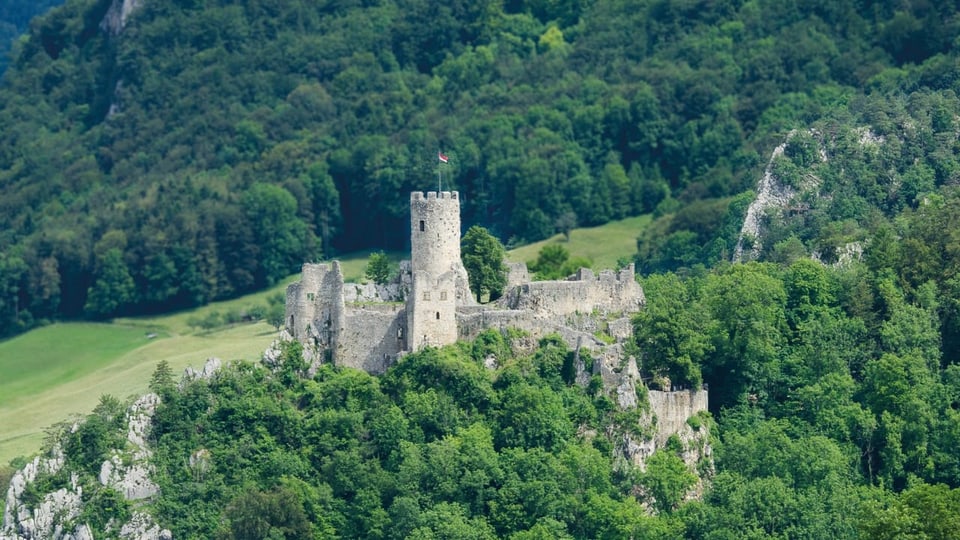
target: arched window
438 315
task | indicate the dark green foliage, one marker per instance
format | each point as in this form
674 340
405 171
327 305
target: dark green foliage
89 446
277 514
113 289
483 257
106 504
15 16
162 382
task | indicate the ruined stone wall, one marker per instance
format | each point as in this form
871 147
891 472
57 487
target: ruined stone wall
517 274
372 337
318 296
672 410
585 292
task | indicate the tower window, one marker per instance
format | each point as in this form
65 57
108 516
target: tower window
443 295
426 295
438 315
422 226
291 321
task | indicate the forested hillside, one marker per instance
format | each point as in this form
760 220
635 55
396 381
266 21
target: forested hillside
207 148
443 447
15 17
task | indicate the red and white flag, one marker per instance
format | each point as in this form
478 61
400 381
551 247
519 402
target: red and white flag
442 158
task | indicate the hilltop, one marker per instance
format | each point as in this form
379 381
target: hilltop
160 155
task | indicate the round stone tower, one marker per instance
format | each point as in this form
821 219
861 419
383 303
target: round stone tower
439 278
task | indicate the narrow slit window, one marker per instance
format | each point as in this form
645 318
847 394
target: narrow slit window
438 315
422 226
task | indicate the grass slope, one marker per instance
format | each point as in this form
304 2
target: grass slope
56 372
60 371
603 245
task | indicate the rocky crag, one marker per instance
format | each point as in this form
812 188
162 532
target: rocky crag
128 471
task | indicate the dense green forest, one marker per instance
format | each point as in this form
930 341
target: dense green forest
829 428
209 147
15 17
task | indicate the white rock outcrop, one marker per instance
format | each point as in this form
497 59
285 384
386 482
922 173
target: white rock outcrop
118 14
47 519
771 196
129 473
210 368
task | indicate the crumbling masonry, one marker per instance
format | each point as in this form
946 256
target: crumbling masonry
370 327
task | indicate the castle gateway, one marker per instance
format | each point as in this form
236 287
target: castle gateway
428 303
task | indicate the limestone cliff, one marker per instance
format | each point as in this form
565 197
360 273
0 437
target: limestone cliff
118 14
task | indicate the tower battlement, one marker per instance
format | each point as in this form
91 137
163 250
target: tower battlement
433 195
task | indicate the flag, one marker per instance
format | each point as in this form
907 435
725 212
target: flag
443 158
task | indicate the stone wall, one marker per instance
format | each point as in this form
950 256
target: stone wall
372 337
517 274
585 292
672 410
314 305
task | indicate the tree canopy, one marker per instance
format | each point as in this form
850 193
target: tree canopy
483 256
172 128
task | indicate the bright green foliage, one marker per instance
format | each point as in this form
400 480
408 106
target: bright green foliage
483 256
747 305
671 332
378 268
667 480
923 511
336 456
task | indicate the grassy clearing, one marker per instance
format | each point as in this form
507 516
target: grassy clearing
69 366
603 245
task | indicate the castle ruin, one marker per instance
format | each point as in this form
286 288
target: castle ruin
429 303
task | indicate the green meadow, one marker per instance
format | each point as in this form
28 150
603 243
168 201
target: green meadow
56 373
603 245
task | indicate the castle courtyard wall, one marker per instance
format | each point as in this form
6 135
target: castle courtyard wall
585 292
372 337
